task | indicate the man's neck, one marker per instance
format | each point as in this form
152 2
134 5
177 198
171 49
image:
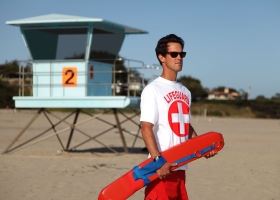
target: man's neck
169 76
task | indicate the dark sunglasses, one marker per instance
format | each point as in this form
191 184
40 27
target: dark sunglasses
175 54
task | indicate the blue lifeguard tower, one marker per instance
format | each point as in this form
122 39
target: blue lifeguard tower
73 60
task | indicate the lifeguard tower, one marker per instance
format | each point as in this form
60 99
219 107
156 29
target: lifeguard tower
73 60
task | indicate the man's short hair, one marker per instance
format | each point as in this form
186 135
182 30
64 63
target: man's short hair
161 48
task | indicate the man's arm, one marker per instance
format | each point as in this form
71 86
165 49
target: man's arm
192 132
149 138
150 142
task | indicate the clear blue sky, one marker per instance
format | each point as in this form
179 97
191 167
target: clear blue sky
229 43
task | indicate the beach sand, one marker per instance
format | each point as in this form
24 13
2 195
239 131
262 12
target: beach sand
247 168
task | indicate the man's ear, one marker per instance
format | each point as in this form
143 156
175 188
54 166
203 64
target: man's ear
161 58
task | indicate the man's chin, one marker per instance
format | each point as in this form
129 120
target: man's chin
180 69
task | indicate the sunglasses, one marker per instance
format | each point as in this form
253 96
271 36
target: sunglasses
175 54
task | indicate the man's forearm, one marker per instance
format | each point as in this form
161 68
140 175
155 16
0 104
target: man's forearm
149 138
192 132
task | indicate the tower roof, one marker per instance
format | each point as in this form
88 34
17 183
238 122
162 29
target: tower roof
71 20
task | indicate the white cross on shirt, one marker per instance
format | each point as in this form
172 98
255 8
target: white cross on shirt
180 118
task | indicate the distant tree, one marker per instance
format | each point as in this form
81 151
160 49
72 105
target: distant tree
276 97
261 98
7 92
243 94
9 69
223 88
195 86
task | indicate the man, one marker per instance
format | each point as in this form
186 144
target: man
165 119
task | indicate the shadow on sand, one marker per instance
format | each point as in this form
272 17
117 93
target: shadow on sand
134 150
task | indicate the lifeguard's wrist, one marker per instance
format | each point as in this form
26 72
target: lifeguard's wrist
156 158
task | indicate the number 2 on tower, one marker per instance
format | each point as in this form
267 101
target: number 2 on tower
69 76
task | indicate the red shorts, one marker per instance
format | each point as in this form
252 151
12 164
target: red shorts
171 187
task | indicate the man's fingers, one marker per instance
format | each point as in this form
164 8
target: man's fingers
211 154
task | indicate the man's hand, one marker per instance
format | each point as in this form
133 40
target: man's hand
210 154
165 170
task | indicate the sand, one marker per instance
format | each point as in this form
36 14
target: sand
247 168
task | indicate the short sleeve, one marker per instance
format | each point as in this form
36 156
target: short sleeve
148 106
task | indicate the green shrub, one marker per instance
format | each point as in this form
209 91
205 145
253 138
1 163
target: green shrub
7 92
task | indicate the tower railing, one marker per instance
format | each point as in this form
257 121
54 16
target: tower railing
128 78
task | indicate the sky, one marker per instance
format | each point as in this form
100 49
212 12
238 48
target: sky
229 43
